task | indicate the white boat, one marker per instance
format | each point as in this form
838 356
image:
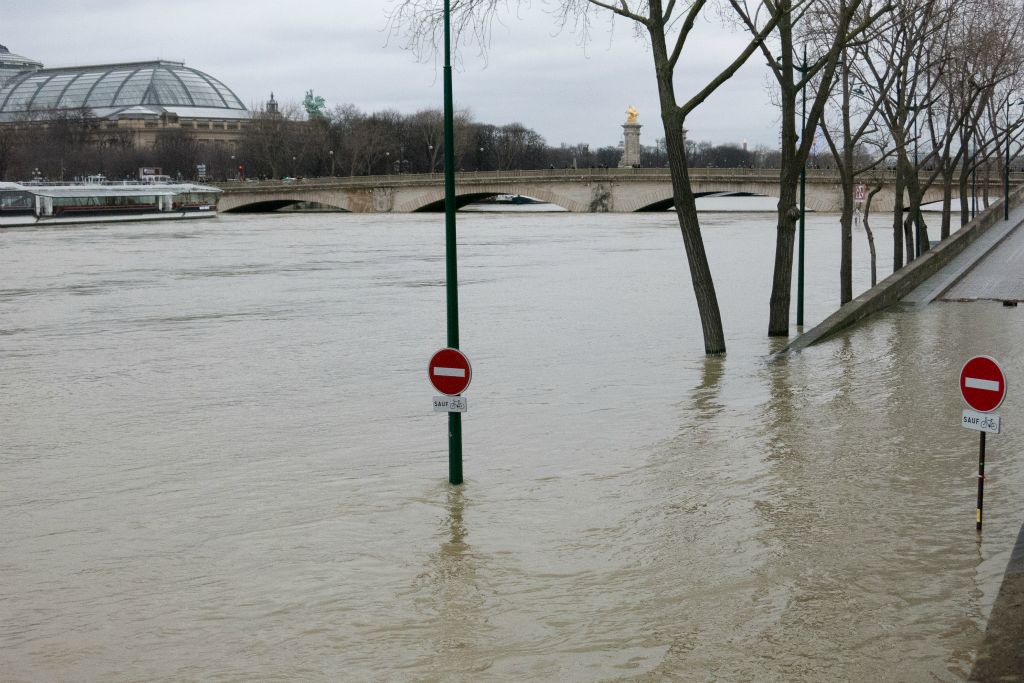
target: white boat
41 203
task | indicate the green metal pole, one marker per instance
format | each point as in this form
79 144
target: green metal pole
917 171
1006 167
803 204
451 272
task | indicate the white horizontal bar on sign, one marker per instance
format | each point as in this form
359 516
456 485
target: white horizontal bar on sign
986 384
450 372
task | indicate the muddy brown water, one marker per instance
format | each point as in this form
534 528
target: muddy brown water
218 459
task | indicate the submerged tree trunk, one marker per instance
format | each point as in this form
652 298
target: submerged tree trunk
871 237
947 203
685 203
964 189
788 212
897 224
846 247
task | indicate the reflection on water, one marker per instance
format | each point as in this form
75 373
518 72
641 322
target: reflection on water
219 459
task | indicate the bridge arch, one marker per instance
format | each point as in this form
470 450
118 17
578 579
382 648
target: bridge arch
255 203
433 199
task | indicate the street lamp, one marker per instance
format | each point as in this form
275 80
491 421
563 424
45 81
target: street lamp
331 153
917 219
387 162
803 195
234 169
430 155
1006 166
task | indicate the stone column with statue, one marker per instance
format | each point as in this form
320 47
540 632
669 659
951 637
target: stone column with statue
630 140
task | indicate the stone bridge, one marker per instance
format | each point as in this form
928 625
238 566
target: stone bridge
618 190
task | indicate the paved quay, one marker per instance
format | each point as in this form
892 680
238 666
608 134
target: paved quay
981 271
999 276
929 276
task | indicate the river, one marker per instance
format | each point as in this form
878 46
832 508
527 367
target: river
219 459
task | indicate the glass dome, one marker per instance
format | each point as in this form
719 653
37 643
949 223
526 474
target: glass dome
11 64
108 88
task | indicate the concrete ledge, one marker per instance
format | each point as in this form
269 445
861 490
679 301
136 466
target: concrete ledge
905 280
1001 655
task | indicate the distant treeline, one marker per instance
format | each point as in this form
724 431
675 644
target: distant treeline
341 141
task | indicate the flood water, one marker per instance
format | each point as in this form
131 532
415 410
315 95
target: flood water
219 460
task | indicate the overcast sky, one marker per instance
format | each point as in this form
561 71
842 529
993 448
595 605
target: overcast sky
338 48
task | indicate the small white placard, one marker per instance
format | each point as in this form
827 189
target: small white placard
981 422
450 404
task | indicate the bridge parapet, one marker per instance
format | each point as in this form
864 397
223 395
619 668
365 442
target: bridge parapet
581 190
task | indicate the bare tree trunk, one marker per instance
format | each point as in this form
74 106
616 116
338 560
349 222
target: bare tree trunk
908 235
686 206
787 215
947 203
965 189
897 224
986 178
846 247
871 237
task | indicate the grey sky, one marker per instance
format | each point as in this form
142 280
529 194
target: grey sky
338 48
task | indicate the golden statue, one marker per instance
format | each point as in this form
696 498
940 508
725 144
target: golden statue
632 114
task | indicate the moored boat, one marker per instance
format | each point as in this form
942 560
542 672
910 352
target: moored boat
42 203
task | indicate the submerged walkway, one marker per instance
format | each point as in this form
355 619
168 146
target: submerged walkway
999 275
992 267
987 265
936 272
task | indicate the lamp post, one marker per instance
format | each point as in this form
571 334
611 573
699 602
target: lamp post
451 271
387 163
234 169
974 181
1006 166
331 153
803 197
430 157
917 171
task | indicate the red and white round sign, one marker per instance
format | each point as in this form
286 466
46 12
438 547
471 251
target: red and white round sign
983 383
449 371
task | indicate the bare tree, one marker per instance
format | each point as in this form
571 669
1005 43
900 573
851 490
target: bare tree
856 120
827 27
667 26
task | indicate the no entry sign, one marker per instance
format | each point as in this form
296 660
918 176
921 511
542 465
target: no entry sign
449 371
983 383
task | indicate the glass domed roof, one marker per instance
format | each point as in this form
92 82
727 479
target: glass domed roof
11 64
108 88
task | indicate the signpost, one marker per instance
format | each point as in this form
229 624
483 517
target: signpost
860 193
983 386
451 268
450 371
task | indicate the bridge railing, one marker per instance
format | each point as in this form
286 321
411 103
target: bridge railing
549 174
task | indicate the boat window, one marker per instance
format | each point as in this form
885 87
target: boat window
114 200
195 199
16 200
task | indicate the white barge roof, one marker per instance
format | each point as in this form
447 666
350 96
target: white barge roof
126 189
